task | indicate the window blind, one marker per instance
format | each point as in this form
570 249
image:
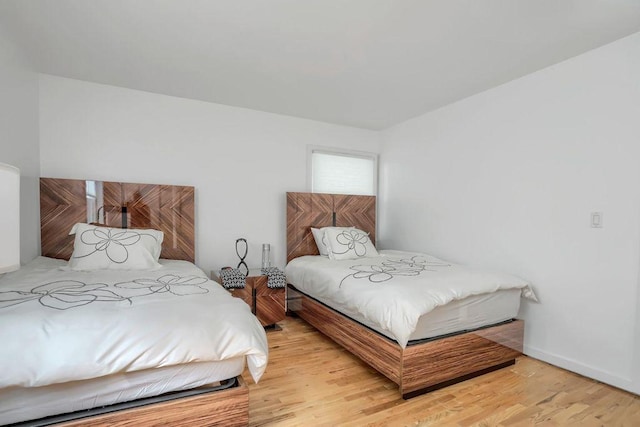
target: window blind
343 173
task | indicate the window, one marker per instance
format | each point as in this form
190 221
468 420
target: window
342 172
95 210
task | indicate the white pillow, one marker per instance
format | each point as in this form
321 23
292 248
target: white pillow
105 248
320 238
348 243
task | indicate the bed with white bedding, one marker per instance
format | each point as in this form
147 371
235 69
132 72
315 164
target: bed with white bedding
74 340
122 315
422 322
409 296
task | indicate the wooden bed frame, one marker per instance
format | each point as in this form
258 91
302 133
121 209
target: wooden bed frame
420 367
63 202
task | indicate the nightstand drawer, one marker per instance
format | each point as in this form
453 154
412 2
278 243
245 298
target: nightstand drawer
270 307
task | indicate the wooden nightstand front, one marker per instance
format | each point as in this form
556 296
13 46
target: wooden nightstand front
268 304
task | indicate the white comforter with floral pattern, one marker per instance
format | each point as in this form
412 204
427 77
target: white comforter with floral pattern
394 289
58 326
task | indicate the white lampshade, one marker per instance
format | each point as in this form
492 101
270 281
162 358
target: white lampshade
9 218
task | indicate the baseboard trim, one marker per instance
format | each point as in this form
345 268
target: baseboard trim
582 369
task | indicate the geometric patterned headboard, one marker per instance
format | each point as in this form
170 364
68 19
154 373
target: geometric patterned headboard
306 210
169 208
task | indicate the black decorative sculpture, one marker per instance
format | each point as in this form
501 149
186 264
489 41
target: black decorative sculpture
242 265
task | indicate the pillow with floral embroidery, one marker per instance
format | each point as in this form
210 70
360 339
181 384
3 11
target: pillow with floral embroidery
321 239
106 248
350 243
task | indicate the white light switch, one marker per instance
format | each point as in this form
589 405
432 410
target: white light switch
596 220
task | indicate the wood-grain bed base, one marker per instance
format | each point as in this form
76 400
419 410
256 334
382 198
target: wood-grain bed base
420 367
228 407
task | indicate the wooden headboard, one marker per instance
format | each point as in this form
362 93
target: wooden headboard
64 202
306 210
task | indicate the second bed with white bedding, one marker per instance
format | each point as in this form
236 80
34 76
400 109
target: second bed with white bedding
409 296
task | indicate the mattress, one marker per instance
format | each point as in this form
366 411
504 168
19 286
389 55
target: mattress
77 339
29 403
457 316
395 293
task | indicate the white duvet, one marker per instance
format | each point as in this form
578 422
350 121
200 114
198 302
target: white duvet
393 290
58 326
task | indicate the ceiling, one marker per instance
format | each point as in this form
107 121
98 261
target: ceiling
364 63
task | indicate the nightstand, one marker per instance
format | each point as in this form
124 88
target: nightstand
266 303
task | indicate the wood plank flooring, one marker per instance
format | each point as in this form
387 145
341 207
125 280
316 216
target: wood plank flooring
311 381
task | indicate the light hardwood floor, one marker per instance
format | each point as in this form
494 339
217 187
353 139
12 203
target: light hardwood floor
311 381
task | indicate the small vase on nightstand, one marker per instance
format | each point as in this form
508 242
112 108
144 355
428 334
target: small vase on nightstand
266 262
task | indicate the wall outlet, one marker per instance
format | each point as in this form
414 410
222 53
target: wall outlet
596 219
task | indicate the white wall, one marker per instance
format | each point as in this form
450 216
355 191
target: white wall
240 161
507 179
19 139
